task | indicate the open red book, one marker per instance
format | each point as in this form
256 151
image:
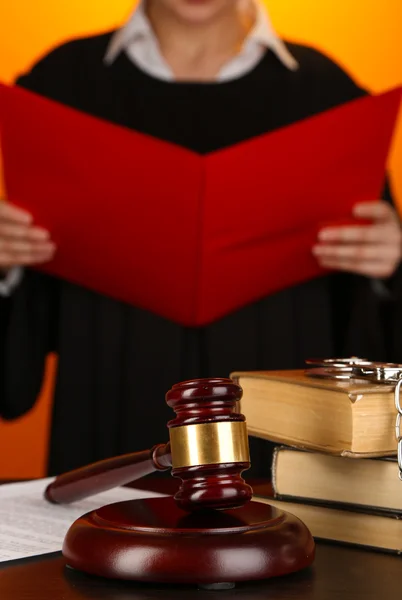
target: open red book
189 237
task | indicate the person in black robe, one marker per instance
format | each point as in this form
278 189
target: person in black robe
116 362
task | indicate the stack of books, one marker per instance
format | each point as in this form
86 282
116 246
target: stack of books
334 466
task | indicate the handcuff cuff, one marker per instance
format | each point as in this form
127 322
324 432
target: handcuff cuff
354 368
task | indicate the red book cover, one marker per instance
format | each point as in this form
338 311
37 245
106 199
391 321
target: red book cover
190 237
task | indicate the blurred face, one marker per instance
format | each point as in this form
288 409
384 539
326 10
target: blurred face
196 12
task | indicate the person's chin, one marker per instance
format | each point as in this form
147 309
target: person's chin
198 12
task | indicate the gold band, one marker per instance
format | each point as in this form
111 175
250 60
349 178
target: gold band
209 443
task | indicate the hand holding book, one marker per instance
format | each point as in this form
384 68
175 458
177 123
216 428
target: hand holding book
373 250
22 243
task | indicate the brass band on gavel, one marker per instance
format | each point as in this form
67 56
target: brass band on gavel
209 443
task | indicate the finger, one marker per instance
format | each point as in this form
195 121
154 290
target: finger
358 252
26 247
13 231
361 233
14 213
8 260
368 268
379 211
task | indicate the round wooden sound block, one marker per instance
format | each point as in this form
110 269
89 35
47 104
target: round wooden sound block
152 540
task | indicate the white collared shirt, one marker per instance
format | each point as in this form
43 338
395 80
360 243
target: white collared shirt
138 40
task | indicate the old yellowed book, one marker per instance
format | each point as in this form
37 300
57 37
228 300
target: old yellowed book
374 531
346 418
313 477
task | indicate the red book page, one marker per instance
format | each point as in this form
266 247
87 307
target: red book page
262 220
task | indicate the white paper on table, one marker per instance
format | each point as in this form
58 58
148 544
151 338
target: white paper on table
31 526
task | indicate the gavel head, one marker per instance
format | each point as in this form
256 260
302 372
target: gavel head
209 444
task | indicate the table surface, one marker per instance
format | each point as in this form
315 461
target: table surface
339 572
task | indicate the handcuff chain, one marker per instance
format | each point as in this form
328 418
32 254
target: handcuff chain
398 433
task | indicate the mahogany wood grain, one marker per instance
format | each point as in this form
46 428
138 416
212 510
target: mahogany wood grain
107 474
220 485
197 402
153 540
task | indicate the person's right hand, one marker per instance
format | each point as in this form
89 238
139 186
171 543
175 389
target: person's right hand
21 242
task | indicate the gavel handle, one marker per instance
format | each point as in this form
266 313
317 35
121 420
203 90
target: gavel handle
107 474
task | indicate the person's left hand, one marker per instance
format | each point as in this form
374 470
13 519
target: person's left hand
374 250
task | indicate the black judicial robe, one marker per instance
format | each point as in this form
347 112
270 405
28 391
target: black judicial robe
116 362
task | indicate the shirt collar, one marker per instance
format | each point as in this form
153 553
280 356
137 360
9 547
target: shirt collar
137 27
262 33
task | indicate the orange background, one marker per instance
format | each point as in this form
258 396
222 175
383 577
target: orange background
362 35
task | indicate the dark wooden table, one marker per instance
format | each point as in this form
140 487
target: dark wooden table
339 572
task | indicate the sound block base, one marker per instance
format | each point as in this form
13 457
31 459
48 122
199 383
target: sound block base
152 540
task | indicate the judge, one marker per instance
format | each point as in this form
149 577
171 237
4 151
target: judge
204 74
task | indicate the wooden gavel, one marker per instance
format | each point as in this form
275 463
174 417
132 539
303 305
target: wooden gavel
208 451
153 539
